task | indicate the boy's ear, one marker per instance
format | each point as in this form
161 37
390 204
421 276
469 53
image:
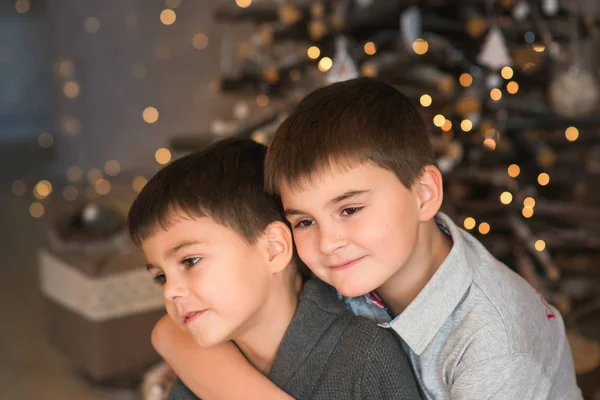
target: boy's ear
430 192
280 246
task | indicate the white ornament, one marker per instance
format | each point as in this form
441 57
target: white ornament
90 213
241 110
494 53
343 67
550 7
573 93
521 11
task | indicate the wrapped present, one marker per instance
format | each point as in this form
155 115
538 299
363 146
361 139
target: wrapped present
101 303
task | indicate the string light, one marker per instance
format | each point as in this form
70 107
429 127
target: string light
102 187
469 223
507 72
496 94
325 64
36 209
420 46
94 175
439 120
71 124
243 3
465 80
168 16
138 183
543 179
313 52
22 6
527 212
529 202
42 189
425 100
506 198
512 87
490 143
262 100
539 48
572 133
66 69
484 228
447 125
200 41
514 170
162 156
150 115
540 245
19 188
45 140
71 89
112 167
370 48
466 125
70 193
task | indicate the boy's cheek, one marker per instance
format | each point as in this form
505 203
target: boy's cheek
172 312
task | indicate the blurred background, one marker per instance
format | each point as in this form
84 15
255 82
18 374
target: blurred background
95 97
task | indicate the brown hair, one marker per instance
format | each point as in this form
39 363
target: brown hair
363 119
223 182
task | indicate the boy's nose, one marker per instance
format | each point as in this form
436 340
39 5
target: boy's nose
173 289
332 240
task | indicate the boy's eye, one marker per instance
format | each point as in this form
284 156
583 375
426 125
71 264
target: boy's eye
190 262
160 279
305 223
351 210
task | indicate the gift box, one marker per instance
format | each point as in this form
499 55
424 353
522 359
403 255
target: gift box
101 303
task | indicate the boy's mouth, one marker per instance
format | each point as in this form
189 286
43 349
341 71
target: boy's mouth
346 264
189 316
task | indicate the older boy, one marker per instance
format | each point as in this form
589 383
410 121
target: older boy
219 247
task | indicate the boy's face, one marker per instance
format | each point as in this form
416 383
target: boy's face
354 228
213 281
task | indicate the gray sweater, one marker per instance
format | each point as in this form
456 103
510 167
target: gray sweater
327 353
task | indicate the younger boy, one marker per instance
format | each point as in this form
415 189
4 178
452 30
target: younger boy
219 247
355 170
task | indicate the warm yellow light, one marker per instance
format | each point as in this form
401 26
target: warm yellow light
425 100
162 155
74 174
466 125
112 167
420 46
484 228
469 223
447 125
540 245
45 140
138 183
496 94
42 189
572 133
507 72
70 193
243 3
102 187
543 179
94 175
200 41
512 87
506 198
529 202
325 64
539 48
36 209
514 170
168 16
91 25
370 48
66 68
490 143
22 6
527 212
150 115
19 188
313 52
262 100
439 120
71 89
465 80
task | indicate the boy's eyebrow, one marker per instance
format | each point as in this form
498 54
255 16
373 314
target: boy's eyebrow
347 195
181 246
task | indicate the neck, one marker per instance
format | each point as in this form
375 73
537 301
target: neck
262 336
430 252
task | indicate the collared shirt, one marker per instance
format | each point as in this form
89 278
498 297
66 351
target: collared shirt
477 330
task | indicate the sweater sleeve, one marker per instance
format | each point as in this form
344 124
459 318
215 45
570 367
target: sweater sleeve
387 373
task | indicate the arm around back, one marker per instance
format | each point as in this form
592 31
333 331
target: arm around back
219 372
